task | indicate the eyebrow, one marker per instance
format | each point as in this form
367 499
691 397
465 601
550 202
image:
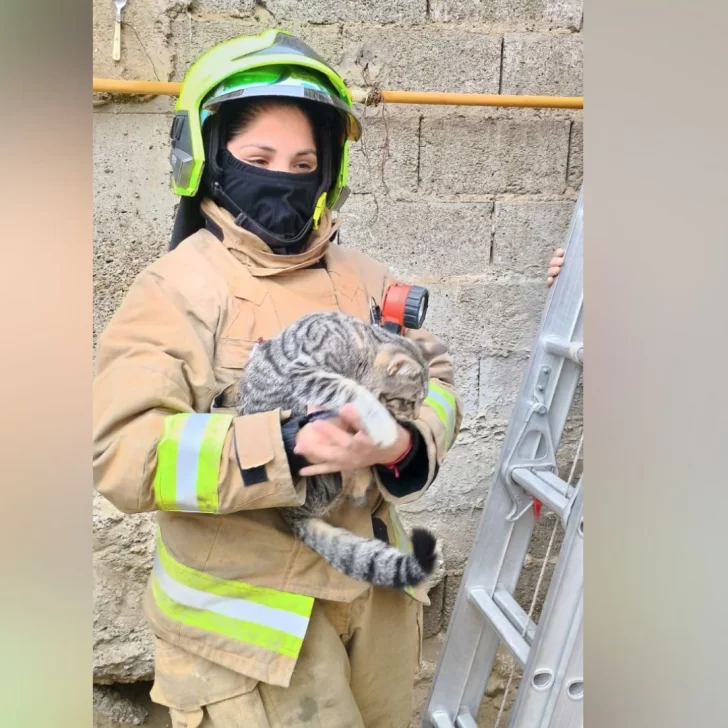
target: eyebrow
271 149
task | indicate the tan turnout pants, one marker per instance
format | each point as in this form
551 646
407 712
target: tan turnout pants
356 669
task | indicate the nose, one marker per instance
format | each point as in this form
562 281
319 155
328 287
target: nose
279 164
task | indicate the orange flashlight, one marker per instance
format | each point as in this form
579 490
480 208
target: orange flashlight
403 307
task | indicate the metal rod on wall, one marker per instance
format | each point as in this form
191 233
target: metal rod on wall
370 97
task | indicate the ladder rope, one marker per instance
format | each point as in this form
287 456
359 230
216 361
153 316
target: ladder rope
539 583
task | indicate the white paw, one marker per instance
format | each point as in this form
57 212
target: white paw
376 421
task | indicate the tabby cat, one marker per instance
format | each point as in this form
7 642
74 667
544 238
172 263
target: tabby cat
326 360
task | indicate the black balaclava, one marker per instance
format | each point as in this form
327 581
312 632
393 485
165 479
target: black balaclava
275 206
278 207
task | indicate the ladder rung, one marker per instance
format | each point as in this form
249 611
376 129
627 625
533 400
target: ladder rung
572 350
441 720
465 720
501 624
545 486
512 609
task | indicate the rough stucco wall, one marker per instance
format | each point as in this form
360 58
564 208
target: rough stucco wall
470 202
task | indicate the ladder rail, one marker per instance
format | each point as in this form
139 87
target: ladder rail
505 530
555 650
558 395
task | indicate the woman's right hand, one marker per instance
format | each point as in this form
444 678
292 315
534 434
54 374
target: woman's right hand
338 444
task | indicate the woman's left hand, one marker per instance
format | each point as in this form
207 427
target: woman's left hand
339 444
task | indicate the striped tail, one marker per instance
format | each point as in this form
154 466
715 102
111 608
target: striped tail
370 560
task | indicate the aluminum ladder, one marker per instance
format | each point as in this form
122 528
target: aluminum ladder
486 614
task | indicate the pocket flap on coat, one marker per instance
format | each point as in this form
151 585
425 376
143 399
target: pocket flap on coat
233 353
254 440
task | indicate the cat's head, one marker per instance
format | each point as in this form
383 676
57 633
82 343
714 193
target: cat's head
400 377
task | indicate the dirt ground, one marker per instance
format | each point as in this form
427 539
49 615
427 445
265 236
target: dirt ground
159 716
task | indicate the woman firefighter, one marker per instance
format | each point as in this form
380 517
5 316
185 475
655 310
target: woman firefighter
252 628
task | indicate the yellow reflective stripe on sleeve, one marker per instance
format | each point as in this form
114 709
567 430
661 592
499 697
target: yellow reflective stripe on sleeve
401 541
166 475
443 403
188 462
266 618
208 469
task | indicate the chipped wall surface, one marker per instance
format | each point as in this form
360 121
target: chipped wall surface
470 202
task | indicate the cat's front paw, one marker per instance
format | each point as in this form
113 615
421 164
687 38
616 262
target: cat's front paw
378 424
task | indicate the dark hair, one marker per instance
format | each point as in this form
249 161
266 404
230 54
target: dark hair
241 114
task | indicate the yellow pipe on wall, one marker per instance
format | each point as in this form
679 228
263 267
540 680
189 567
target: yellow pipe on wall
118 86
441 98
371 98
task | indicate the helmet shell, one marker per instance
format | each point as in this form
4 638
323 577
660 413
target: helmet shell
273 63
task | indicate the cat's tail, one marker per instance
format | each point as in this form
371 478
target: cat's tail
370 560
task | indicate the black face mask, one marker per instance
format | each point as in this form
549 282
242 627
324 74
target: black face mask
275 206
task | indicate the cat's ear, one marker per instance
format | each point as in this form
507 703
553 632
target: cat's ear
397 364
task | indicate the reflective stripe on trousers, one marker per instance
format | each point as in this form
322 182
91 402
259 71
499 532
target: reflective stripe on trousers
265 618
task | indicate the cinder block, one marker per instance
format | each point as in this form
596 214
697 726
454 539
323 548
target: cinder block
543 64
487 317
420 238
133 203
123 547
527 234
452 587
192 38
432 615
425 59
385 159
145 52
467 381
511 14
229 8
351 11
501 379
576 156
463 153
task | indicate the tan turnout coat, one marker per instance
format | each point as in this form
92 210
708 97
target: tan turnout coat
226 566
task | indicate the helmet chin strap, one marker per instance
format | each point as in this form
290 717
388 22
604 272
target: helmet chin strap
243 220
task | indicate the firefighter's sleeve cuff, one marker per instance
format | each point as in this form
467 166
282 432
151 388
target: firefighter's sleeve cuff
289 430
412 473
266 480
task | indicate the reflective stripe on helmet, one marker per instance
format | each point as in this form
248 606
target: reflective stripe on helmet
188 462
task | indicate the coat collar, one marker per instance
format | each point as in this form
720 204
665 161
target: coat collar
255 255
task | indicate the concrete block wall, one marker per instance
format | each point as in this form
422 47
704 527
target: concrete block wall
470 202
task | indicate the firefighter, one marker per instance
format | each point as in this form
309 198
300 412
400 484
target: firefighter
251 627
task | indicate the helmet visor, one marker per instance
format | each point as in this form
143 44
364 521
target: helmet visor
289 81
